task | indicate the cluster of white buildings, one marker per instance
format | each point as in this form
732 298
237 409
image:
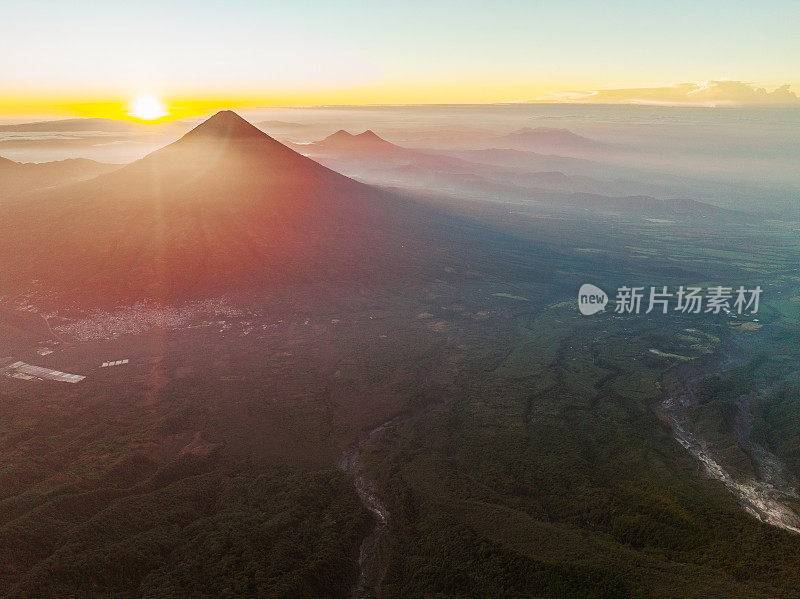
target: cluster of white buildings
21 370
114 363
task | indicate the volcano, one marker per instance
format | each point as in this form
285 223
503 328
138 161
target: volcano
224 206
367 143
368 150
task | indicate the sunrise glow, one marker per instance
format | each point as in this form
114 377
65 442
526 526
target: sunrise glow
321 54
147 108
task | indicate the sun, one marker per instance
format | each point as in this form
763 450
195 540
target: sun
147 108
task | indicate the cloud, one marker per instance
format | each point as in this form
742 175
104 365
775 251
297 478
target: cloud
699 93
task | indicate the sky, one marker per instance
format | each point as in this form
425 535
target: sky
95 58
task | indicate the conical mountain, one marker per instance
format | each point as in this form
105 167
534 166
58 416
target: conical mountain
225 157
224 206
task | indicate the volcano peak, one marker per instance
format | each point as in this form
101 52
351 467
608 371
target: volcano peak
226 124
369 134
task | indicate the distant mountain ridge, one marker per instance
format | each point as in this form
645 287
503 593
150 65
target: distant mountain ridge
82 124
515 174
369 148
547 139
24 177
367 142
67 125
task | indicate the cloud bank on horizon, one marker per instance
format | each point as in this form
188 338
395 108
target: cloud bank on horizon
699 93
